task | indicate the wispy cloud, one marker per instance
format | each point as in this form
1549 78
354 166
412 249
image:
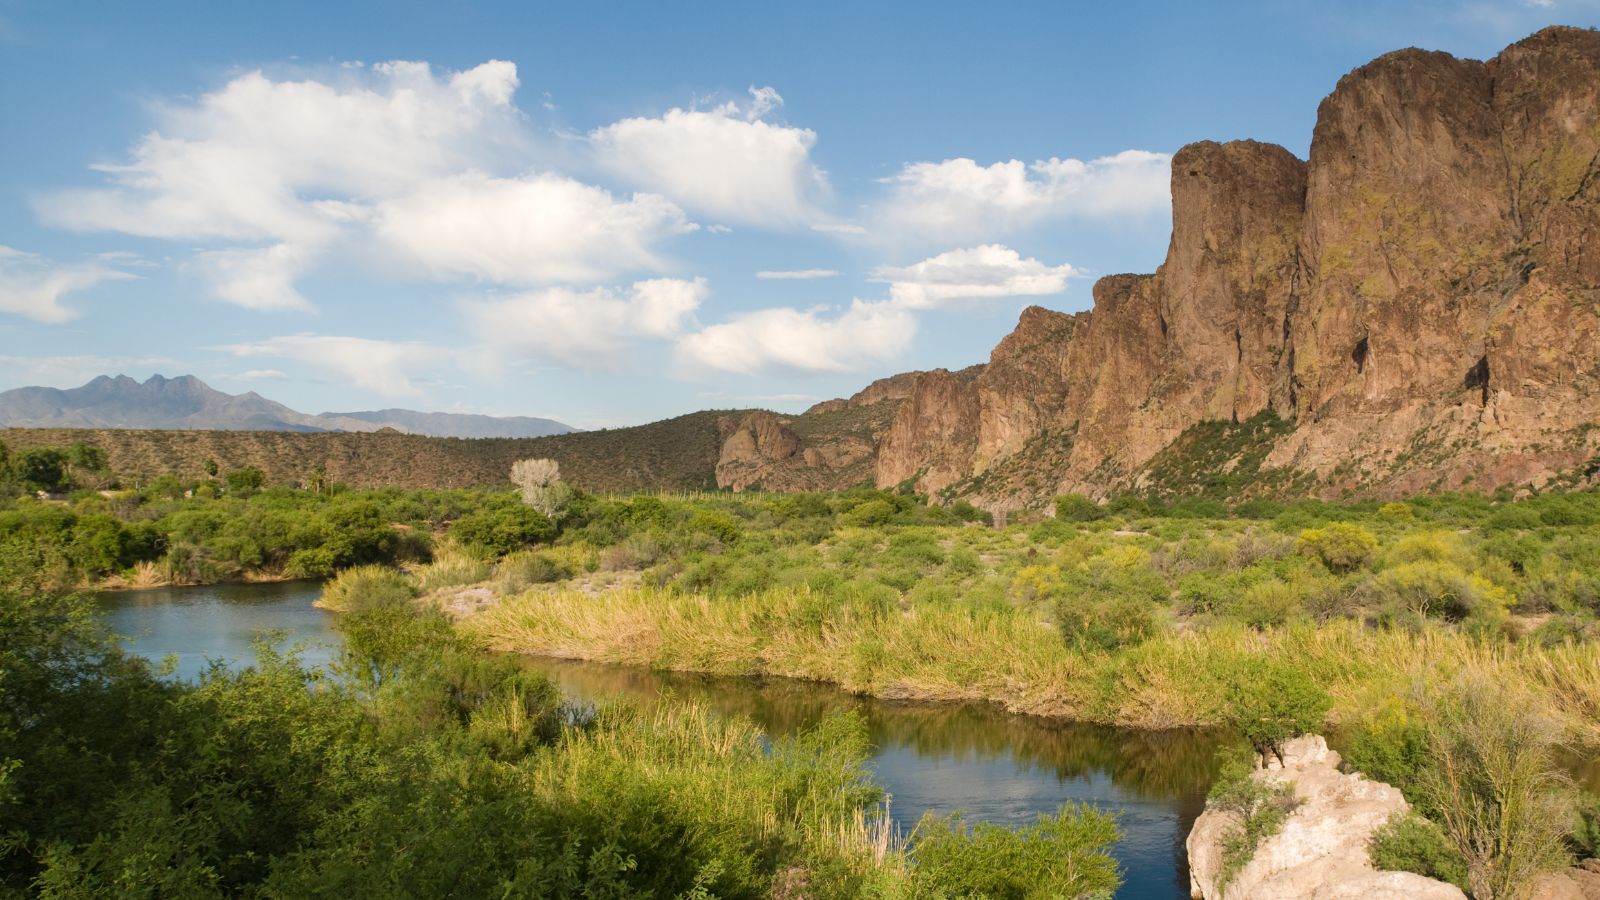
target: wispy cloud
797 274
390 368
35 288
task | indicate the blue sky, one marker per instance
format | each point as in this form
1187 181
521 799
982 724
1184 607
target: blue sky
609 213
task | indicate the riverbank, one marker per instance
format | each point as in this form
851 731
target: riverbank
1014 659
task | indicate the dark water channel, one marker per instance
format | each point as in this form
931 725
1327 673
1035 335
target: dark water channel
929 757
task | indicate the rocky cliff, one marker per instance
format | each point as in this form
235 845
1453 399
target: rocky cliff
1416 307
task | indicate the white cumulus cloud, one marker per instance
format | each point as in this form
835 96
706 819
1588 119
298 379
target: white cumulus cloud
586 329
958 199
533 230
810 340
989 270
34 287
384 367
412 170
726 162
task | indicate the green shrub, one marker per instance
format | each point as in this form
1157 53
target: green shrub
1065 855
1341 546
1411 592
1088 623
719 525
1390 744
1262 809
1272 700
1266 604
966 512
1128 505
871 514
1077 508
1494 783
366 587
1410 843
1585 837
245 482
964 561
498 530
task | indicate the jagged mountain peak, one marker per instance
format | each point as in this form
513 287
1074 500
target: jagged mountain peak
185 402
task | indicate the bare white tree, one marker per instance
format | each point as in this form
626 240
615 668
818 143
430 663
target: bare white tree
541 485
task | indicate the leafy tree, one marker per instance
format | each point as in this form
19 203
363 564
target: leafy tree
245 482
43 469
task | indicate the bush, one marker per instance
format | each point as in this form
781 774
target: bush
1271 701
718 525
1494 783
1266 604
1410 843
1089 624
1390 745
1065 855
518 571
498 530
1398 511
871 514
966 512
1411 592
1077 508
366 587
245 482
1341 546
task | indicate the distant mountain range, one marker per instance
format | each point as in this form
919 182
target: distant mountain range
187 403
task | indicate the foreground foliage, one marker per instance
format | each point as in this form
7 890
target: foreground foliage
428 768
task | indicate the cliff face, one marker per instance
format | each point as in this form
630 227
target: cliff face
1418 305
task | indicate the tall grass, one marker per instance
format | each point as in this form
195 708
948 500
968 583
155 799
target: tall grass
1013 657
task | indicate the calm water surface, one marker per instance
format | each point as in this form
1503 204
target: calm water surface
199 624
929 757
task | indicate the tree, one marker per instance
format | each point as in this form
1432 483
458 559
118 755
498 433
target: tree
43 469
541 485
246 481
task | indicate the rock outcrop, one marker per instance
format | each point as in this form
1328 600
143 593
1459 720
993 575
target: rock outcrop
1420 301
1320 853
1416 307
832 445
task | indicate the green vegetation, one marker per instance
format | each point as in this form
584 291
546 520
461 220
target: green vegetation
430 768
1411 843
1261 808
1393 625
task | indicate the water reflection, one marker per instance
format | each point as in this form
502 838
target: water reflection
994 766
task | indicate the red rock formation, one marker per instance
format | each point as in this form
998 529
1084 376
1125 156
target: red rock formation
1420 301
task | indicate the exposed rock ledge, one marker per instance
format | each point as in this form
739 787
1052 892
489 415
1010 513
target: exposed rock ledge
1321 852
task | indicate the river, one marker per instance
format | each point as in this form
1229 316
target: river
929 757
